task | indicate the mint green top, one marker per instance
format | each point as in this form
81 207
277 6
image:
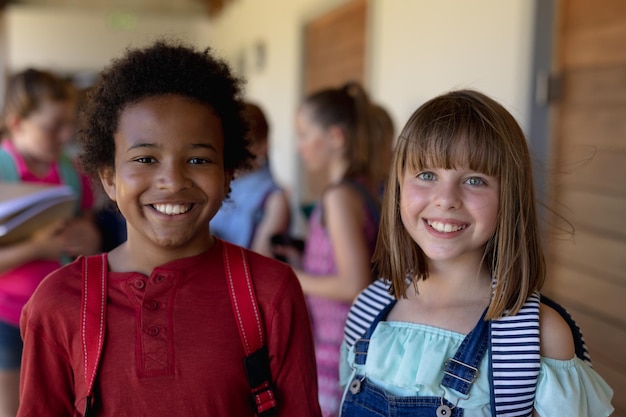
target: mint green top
406 359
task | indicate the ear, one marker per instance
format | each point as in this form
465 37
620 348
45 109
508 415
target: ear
336 137
228 176
13 122
107 178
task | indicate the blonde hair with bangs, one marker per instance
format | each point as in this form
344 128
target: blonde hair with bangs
457 129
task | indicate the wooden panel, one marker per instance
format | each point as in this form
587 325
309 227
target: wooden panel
584 15
585 168
601 46
596 32
616 378
334 53
588 177
594 212
603 127
335 47
595 86
579 289
592 254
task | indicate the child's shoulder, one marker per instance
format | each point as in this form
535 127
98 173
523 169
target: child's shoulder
271 277
556 335
59 293
367 305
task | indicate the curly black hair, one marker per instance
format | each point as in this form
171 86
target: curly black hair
166 67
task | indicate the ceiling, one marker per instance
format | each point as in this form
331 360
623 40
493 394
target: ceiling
211 7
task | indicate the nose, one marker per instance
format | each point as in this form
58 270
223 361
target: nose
173 176
448 196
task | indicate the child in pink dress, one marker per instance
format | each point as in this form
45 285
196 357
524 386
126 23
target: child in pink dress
336 139
38 121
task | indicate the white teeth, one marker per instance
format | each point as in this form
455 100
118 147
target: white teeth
445 227
172 209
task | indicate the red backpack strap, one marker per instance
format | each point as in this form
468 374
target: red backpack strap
251 329
93 319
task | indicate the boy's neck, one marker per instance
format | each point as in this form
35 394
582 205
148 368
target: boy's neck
135 257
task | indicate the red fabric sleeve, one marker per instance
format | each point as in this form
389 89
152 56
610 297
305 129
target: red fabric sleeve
292 354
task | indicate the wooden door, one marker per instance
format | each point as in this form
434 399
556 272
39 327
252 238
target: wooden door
588 183
334 53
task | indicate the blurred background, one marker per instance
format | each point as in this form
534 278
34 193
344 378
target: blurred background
558 66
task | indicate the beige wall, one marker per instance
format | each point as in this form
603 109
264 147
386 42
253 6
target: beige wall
417 49
70 40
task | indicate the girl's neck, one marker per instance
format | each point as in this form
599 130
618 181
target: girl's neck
451 283
337 170
36 166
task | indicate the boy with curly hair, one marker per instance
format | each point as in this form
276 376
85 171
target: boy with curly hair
163 132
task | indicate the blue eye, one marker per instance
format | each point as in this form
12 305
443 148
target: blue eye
426 176
475 181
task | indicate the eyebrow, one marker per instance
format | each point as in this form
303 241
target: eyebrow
150 145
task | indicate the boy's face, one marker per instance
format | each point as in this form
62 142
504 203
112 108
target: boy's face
169 177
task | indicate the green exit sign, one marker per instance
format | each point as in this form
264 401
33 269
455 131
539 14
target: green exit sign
122 21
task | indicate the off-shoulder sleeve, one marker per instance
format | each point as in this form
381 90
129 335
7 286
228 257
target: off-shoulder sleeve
345 370
571 388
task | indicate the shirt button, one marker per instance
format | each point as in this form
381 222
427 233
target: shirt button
139 284
151 305
153 331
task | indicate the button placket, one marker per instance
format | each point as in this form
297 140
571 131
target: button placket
154 330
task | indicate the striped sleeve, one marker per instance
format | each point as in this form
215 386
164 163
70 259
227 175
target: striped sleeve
515 360
366 307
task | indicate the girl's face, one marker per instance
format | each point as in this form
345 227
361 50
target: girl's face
450 213
41 136
314 145
169 177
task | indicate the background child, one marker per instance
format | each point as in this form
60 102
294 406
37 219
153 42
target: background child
257 208
459 221
163 129
38 121
335 138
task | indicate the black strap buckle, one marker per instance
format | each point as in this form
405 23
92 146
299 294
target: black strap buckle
257 367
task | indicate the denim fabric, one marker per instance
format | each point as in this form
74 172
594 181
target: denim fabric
372 401
364 399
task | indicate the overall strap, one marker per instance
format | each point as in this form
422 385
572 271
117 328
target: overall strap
515 361
93 320
461 371
251 329
8 169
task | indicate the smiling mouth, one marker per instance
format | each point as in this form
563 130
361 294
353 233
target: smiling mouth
172 209
446 227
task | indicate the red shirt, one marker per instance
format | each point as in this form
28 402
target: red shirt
172 345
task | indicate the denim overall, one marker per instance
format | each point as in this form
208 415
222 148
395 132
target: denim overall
365 399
